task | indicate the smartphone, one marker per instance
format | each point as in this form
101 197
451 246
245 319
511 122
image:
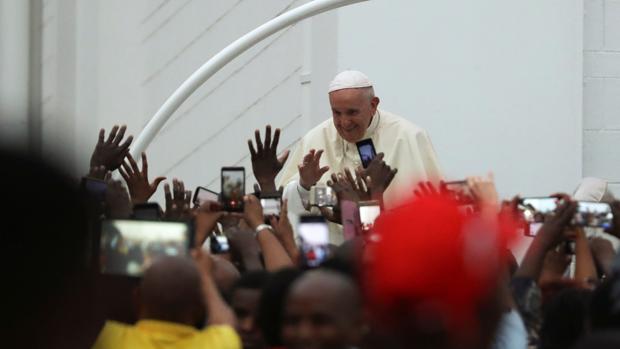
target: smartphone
202 195
218 244
233 188
313 240
351 226
369 211
535 211
460 191
150 211
367 151
95 188
593 214
271 206
128 247
322 196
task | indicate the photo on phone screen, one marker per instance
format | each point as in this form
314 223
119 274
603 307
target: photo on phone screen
202 195
536 211
323 196
369 211
313 240
366 150
593 214
460 191
271 206
128 247
233 188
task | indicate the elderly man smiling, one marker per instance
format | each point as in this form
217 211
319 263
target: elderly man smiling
330 147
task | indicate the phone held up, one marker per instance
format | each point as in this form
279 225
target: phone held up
233 188
322 196
202 195
367 151
313 240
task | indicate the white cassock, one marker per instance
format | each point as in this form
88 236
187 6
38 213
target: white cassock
406 146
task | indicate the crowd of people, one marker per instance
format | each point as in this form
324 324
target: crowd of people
432 271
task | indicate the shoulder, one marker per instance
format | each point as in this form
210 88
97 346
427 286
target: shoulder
220 336
112 335
392 122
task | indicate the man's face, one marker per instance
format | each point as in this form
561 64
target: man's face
352 111
314 320
244 303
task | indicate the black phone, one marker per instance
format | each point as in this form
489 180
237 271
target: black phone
150 211
536 210
366 150
271 205
128 247
202 195
233 188
313 240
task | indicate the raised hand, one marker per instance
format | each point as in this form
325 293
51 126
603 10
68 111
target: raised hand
343 187
283 229
483 190
377 176
265 163
553 231
205 220
252 211
138 181
177 202
310 171
110 153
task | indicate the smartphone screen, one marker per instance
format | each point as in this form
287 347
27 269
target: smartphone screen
202 195
366 150
536 211
271 206
147 211
128 247
219 244
95 188
314 240
233 188
460 191
369 211
322 196
593 214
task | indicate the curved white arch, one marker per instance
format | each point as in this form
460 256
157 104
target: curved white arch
218 61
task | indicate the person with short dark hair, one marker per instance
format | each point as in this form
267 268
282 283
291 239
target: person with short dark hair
244 300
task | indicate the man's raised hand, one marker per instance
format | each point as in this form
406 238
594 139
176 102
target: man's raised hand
177 202
265 162
377 176
110 153
310 171
138 180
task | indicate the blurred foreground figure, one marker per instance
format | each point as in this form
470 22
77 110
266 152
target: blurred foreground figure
437 278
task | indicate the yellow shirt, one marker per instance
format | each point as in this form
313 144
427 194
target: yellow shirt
160 334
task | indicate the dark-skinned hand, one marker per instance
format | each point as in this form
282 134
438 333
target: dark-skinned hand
138 180
118 205
265 162
110 153
381 175
177 202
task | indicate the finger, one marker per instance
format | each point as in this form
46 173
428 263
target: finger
308 157
181 188
175 190
145 166
134 165
123 174
101 136
284 208
127 168
391 177
334 177
361 185
349 176
276 140
251 147
256 188
273 221
379 157
127 143
259 143
188 197
317 156
268 138
323 170
112 134
281 190
282 159
120 135
156 183
167 195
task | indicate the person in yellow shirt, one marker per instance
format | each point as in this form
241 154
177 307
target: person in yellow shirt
174 296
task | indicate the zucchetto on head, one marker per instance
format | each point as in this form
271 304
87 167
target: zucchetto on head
349 79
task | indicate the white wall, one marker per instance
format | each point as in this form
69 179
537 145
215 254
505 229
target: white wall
601 110
497 84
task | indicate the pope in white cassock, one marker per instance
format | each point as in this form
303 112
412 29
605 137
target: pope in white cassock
356 116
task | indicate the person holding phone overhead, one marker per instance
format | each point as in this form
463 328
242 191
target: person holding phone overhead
331 147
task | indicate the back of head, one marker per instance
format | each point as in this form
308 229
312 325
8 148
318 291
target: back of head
45 254
600 340
605 305
171 291
565 318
